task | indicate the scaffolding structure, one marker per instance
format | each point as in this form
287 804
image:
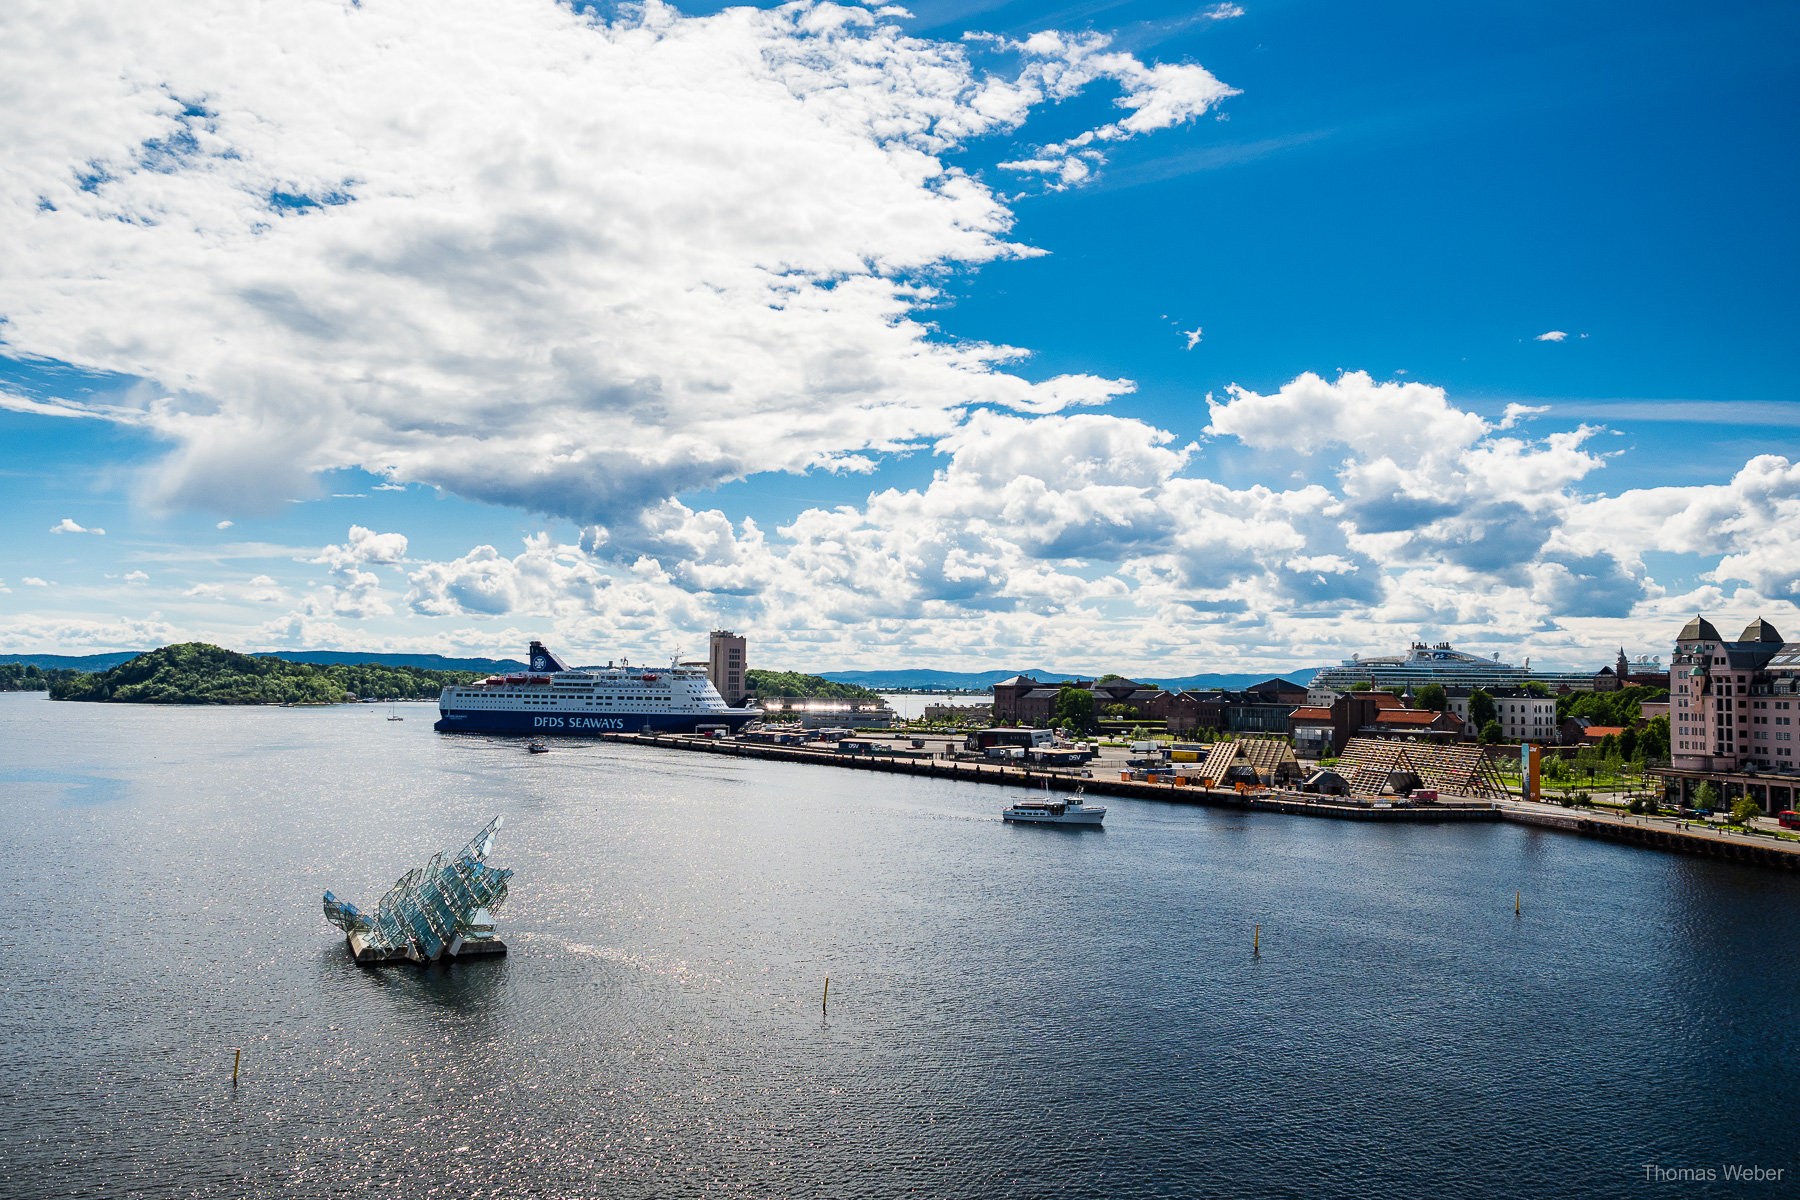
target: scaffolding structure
444 909
1371 765
1250 760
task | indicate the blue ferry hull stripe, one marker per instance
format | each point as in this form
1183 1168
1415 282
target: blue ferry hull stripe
478 721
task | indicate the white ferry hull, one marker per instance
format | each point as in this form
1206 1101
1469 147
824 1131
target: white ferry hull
551 698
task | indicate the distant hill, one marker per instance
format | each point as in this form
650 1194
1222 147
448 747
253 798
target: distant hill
73 662
428 662
790 683
979 680
915 677
1201 683
920 678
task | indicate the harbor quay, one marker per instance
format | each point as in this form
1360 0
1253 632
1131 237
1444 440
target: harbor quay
1006 775
1653 833
1660 833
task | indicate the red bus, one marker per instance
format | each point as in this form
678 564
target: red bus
1789 819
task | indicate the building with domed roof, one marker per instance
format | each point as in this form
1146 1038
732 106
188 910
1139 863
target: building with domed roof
1733 707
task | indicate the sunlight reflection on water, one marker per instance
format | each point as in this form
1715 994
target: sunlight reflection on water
1011 1013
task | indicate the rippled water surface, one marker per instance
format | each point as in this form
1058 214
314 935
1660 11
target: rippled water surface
1014 1011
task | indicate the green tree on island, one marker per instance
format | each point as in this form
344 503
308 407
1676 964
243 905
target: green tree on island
793 683
1706 796
24 677
1745 810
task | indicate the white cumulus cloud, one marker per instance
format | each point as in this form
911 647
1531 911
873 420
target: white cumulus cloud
1753 522
514 250
354 592
544 579
62 634
1555 335
68 526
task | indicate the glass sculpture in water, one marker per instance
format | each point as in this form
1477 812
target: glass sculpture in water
444 909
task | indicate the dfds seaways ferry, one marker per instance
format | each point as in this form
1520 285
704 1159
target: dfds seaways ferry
550 698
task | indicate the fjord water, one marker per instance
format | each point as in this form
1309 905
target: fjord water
1014 1011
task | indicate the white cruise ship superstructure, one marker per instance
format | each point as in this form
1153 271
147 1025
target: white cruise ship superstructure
1423 664
552 698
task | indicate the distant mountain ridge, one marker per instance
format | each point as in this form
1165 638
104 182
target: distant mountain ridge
1303 677
316 658
908 678
429 662
980 680
73 662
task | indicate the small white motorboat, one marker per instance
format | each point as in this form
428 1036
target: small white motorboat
1053 811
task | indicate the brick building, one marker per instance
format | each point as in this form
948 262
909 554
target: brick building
1260 708
1023 700
1321 730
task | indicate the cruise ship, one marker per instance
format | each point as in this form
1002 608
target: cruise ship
1440 663
551 697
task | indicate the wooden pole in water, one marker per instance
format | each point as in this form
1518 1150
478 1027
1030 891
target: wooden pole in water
1516 896
1256 943
826 999
237 1056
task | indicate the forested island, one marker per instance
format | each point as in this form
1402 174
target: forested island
197 673
792 683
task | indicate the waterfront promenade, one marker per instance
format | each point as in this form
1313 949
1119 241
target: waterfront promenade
1660 833
1655 833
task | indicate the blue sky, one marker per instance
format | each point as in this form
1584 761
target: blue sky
1410 194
